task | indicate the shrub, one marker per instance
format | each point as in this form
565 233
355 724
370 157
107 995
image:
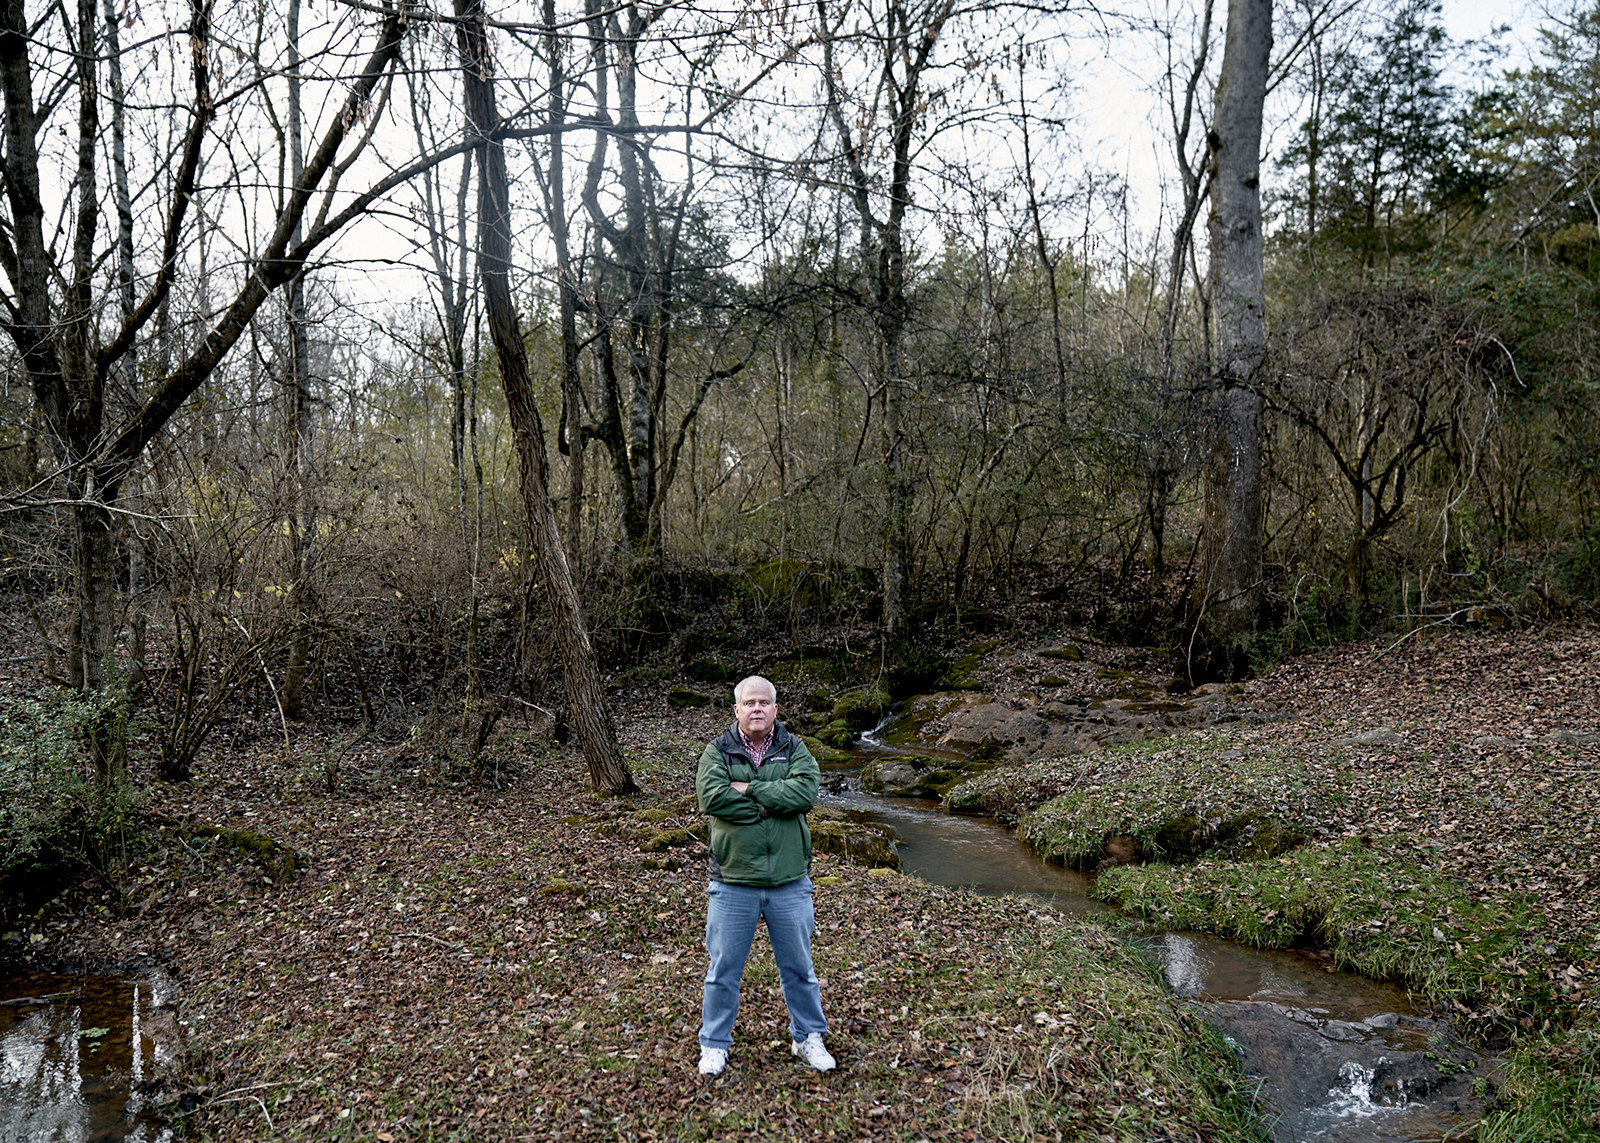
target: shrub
57 819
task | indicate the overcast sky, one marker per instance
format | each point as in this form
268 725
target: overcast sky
1123 131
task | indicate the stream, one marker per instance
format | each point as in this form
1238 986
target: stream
1338 1057
75 1052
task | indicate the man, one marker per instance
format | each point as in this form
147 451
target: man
756 782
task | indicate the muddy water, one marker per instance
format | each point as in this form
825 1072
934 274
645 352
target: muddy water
75 1054
1339 1057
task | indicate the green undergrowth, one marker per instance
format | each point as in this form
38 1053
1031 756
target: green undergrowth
1551 1089
1378 915
1164 804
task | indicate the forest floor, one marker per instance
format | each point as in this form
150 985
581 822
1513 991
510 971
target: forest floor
525 960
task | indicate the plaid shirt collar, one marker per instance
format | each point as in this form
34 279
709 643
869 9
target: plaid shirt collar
757 753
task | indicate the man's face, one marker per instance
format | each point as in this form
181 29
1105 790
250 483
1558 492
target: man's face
755 711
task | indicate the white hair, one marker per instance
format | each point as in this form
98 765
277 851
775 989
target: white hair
754 680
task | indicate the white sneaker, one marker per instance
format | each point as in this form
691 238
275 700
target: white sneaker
812 1052
713 1060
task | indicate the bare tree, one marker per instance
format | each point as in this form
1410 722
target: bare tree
585 697
49 308
1229 588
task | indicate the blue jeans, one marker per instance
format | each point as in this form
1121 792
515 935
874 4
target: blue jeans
731 916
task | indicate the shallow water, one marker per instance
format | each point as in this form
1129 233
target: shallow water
75 1052
1340 1058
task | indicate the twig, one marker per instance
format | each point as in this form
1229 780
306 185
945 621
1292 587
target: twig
436 940
526 703
266 674
1451 618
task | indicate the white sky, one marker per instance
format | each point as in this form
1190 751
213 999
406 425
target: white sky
1124 129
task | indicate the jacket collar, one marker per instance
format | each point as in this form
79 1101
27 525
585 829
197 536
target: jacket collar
731 743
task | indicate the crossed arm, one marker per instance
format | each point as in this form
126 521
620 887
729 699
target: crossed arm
741 802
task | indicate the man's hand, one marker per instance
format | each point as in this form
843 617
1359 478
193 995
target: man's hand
740 787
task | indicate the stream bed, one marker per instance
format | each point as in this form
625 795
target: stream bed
1339 1057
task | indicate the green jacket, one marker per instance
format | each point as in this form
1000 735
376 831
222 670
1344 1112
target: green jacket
759 838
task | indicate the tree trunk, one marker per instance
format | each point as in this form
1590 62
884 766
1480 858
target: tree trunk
566 291
585 697
302 505
1229 587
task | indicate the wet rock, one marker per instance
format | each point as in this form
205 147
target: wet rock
1129 709
917 776
1368 1080
872 845
895 776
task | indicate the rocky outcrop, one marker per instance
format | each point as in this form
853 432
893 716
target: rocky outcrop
1041 725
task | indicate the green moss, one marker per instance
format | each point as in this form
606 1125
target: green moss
862 708
836 734
280 862
710 671
1173 803
667 839
822 752
1067 651
681 697
561 887
1382 917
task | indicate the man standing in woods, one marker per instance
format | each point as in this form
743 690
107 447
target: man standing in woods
756 782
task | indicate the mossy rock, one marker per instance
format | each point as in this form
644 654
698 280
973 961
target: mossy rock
666 864
710 671
858 843
655 814
836 734
667 839
561 887
917 776
792 581
987 750
280 862
822 752
682 697
1068 652
862 708
1054 681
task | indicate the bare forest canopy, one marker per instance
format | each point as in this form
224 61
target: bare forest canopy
820 306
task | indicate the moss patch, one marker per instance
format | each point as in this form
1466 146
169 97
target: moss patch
1383 917
823 752
862 708
1067 652
1174 803
278 861
681 697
